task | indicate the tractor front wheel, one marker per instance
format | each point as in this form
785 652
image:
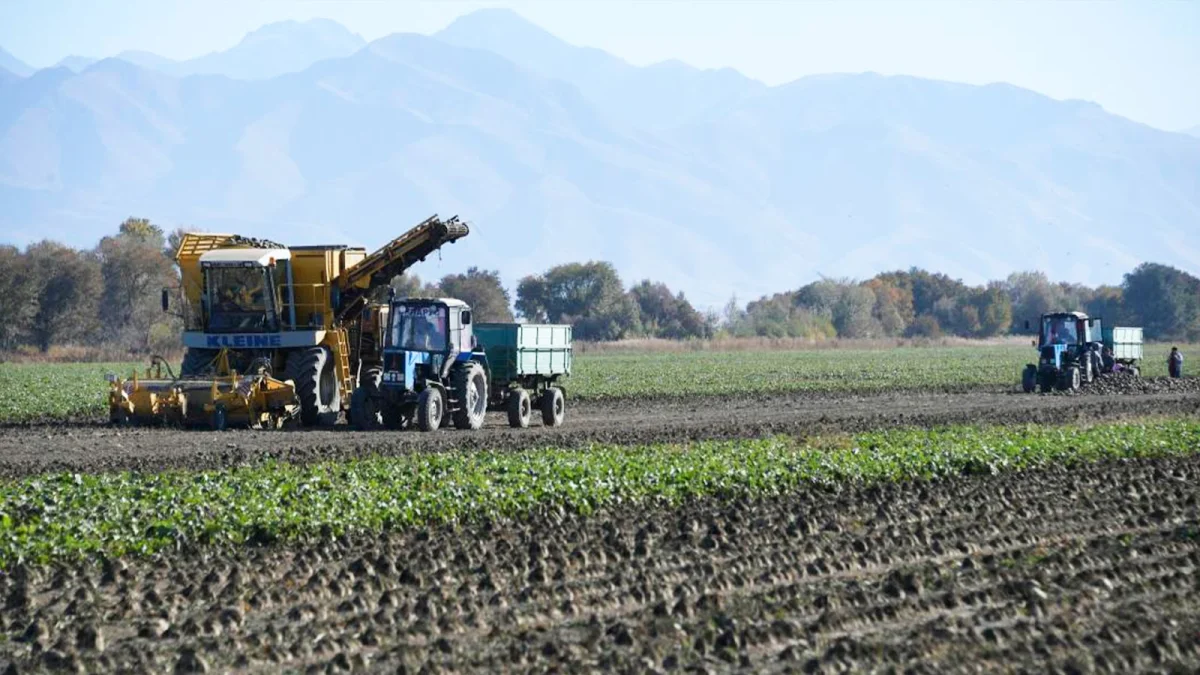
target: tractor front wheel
364 402
430 409
1029 379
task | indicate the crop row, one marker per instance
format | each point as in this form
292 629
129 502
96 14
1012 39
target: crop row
72 515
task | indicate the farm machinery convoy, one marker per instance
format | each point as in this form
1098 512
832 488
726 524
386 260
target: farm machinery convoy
275 335
1074 349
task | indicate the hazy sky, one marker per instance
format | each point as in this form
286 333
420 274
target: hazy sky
1137 59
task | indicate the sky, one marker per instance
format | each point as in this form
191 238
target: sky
1137 59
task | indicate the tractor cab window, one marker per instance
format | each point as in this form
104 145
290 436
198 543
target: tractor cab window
419 328
1060 331
241 299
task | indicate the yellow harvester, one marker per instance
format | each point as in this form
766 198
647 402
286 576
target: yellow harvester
272 333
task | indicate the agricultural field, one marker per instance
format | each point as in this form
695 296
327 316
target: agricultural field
77 391
997 547
810 511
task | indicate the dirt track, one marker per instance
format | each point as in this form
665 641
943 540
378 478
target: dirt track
1085 570
96 447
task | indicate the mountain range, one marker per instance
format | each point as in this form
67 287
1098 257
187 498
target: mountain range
706 179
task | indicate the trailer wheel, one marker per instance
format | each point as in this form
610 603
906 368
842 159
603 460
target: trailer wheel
429 409
554 407
471 392
1029 379
519 408
315 376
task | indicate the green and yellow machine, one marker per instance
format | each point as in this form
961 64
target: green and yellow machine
273 333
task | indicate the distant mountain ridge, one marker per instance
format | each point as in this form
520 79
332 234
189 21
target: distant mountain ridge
560 153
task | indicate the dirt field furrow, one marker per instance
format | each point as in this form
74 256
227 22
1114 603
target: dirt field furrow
94 447
1087 569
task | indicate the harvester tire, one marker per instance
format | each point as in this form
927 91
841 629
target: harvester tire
364 402
219 420
519 408
314 373
554 407
471 392
197 362
430 409
1029 379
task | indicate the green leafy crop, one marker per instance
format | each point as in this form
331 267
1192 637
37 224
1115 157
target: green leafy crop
71 515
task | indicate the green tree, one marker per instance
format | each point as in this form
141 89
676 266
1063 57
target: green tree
64 293
134 270
483 291
18 300
1166 301
588 295
664 315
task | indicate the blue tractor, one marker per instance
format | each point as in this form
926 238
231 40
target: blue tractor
434 369
1074 349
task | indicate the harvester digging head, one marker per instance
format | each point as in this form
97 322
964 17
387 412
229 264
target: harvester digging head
255 399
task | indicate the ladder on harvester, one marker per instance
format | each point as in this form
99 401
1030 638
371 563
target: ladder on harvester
342 358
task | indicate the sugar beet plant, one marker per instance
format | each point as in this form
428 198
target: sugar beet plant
70 515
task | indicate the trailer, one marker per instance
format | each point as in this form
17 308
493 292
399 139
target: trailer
527 363
438 367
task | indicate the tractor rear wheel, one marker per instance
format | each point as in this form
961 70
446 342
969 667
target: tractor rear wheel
314 373
554 407
471 392
430 409
519 408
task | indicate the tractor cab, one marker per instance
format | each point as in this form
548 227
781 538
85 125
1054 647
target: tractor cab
1069 352
425 338
242 289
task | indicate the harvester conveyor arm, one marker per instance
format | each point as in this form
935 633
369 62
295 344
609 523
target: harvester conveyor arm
394 258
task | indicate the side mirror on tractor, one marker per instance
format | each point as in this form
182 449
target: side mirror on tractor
466 318
166 299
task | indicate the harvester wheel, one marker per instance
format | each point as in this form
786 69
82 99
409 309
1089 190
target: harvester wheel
519 408
554 407
364 402
471 391
315 376
1029 379
219 419
430 409
197 362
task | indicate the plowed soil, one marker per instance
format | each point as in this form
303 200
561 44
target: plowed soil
1092 569
94 446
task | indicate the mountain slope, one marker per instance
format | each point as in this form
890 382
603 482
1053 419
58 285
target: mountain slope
653 97
14 65
75 62
843 175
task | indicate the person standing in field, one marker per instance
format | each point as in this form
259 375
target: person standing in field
1175 363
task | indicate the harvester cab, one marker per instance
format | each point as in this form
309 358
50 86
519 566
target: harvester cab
274 333
432 370
1073 349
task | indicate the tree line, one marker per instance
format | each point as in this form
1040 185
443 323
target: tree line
52 294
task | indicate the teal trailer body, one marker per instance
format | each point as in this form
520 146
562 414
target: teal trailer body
518 352
1125 342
